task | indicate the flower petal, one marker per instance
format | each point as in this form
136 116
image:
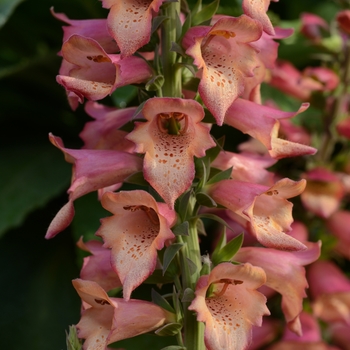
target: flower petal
134 233
267 209
129 22
168 163
229 316
224 54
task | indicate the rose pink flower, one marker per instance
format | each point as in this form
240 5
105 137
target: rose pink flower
138 228
265 208
262 123
106 320
97 266
90 72
323 193
338 225
257 9
92 170
232 307
224 56
285 273
312 26
330 292
343 19
130 22
168 164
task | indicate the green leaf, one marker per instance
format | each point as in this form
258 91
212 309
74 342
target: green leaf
72 340
161 301
182 205
188 295
222 175
124 95
206 13
206 200
7 7
177 48
31 176
215 218
155 83
137 179
213 152
174 347
157 21
157 277
182 229
169 329
192 266
169 254
228 251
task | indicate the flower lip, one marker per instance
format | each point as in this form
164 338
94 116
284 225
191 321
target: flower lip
174 123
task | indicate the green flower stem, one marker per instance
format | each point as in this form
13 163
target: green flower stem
172 76
190 259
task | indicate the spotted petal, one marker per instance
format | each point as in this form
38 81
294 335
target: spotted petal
135 232
129 22
168 163
233 306
225 57
266 208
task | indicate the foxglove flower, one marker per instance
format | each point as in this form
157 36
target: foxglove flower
323 193
97 267
257 9
92 73
138 228
262 123
229 304
285 273
224 56
171 137
338 225
130 22
265 208
92 170
106 320
330 292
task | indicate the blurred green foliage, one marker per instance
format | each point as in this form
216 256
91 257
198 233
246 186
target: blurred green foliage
39 302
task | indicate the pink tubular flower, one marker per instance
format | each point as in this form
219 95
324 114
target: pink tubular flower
338 225
343 19
343 127
257 9
232 307
330 292
225 57
262 123
92 170
311 338
92 73
130 21
103 132
106 320
138 228
246 167
285 273
97 266
312 26
265 208
171 137
323 192
287 78
95 29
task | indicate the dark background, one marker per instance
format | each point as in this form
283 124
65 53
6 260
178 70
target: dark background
38 302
